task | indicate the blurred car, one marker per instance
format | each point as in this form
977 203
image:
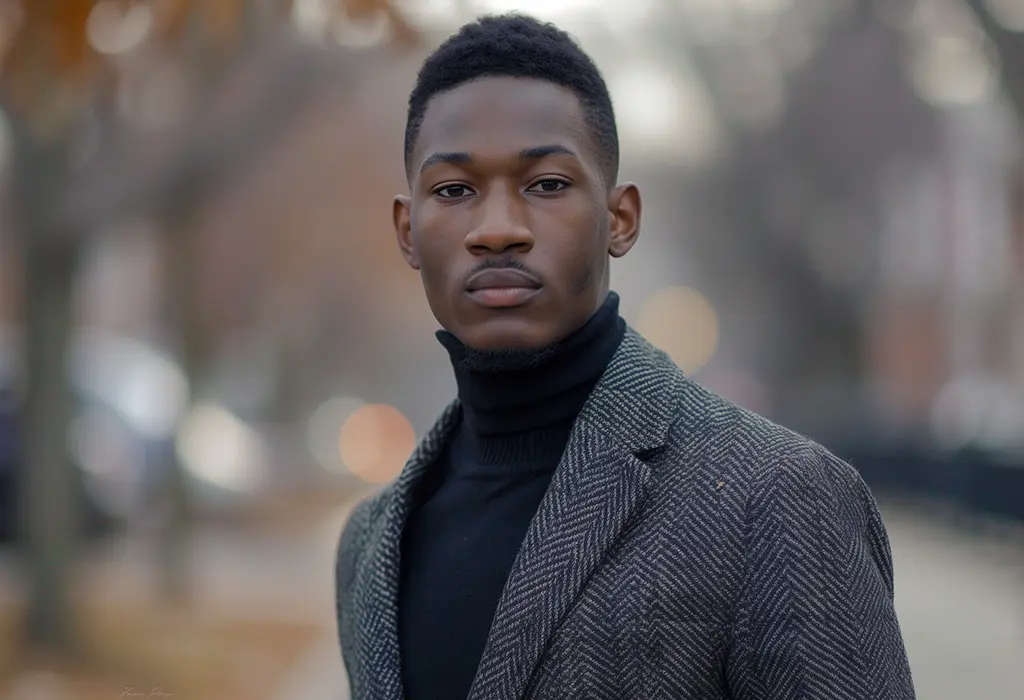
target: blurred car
131 416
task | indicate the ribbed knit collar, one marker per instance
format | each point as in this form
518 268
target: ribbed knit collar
524 414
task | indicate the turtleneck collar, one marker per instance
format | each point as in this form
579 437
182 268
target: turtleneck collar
536 390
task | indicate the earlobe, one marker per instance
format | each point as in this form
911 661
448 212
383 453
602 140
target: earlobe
402 216
624 206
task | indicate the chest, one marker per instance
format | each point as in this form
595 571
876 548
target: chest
653 619
457 551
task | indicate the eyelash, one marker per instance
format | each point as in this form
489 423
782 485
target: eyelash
563 184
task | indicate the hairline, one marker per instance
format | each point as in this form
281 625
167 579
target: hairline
608 172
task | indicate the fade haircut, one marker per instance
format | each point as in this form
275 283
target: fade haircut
519 46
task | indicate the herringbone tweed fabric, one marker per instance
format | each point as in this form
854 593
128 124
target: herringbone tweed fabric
686 548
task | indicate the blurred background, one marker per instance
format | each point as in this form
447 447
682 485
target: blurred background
210 347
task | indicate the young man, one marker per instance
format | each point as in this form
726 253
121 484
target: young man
584 521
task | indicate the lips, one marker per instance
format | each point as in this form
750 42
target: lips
501 279
502 289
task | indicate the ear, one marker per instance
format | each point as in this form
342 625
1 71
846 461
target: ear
402 215
624 208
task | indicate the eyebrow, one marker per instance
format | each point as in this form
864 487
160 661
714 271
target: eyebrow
462 158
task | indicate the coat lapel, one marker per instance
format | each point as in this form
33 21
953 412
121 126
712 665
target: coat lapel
378 572
599 485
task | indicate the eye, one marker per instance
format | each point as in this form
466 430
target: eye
548 186
453 191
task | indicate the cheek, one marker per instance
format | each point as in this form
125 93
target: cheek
435 276
432 269
580 253
594 253
433 252
588 234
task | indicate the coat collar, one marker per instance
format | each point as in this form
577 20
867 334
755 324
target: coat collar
600 482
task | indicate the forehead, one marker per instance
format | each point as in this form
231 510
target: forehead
502 114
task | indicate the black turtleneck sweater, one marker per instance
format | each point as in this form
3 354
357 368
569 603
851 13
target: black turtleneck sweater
472 511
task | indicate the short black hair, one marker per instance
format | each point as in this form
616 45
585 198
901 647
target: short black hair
520 46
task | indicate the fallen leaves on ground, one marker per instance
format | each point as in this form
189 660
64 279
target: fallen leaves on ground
152 651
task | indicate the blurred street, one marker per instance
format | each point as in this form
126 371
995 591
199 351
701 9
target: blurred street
960 599
960 594
267 568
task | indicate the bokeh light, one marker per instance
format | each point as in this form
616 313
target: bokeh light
221 450
1009 13
324 428
950 70
113 29
111 457
544 9
375 442
681 322
665 115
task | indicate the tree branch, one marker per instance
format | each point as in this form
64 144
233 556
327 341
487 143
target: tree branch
143 174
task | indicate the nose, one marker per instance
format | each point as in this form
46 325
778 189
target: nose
501 226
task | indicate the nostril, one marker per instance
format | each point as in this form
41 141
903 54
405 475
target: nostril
499 240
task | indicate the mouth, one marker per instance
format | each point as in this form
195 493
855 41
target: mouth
502 289
503 297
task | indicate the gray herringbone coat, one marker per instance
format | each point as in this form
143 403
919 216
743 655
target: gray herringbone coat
686 548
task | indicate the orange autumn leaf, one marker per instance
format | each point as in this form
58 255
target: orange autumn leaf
50 45
69 18
223 20
50 50
54 32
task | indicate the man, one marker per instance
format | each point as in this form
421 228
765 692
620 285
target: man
584 521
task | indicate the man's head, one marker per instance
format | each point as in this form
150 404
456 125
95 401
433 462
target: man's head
511 153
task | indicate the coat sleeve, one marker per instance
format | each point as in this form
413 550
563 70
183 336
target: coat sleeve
814 618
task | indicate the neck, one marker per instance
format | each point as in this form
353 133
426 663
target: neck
516 391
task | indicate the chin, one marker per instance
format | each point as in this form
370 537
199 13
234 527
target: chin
506 353
499 342
497 335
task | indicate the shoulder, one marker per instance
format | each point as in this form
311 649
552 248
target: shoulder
752 458
753 486
711 443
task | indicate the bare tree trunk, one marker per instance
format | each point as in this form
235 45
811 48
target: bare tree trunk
211 65
184 308
50 497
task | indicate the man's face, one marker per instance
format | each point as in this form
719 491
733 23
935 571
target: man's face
510 221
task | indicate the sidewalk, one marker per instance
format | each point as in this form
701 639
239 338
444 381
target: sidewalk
261 570
319 676
321 673
960 599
